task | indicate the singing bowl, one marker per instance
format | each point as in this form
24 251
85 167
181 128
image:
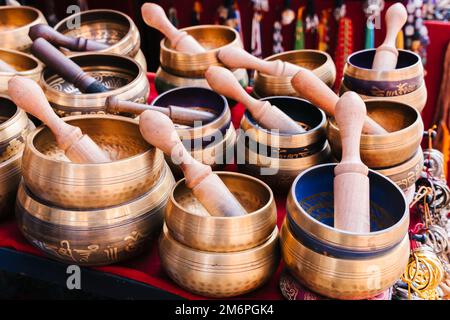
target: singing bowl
405 129
223 234
135 167
319 62
219 274
188 65
110 27
15 22
25 64
341 264
277 158
123 77
98 236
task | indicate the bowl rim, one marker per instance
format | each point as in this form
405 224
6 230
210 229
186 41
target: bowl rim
15 117
228 173
28 72
34 10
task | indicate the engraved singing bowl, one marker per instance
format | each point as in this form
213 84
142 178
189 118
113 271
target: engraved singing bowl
341 264
25 64
219 274
111 27
14 127
210 142
405 130
278 158
98 236
404 84
15 22
135 167
223 234
319 62
123 77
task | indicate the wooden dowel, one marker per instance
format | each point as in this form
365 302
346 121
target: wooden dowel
351 184
58 39
310 87
5 67
206 186
79 148
223 82
155 17
66 68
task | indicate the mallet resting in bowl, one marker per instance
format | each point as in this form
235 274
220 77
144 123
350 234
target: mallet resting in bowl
5 67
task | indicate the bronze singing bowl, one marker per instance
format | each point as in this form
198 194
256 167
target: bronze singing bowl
98 236
15 22
319 62
405 129
123 77
211 37
278 158
25 64
111 27
223 234
219 274
135 168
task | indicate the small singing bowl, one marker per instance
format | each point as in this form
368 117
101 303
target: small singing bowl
317 61
405 130
212 38
98 236
110 27
15 22
277 158
25 64
135 168
123 77
342 264
223 234
219 274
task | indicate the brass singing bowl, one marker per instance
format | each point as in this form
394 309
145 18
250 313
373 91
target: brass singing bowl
212 37
219 274
405 129
135 168
278 158
98 236
342 264
123 77
110 27
25 64
319 62
15 22
223 234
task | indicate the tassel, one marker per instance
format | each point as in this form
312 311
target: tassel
344 45
323 30
400 42
370 35
299 33
196 12
173 16
277 38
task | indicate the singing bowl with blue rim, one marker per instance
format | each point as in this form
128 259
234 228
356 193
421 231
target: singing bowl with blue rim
210 142
260 151
341 264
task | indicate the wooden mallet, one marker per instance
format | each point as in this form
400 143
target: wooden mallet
351 184
5 67
155 17
58 39
206 186
179 115
78 147
310 87
386 55
66 68
223 82
234 57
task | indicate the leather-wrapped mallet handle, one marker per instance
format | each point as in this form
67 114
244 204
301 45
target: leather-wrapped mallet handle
58 39
79 148
180 115
351 183
310 87
270 117
386 55
234 57
5 67
66 68
158 130
155 17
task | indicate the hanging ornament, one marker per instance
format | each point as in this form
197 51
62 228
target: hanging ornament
344 46
259 6
372 9
312 21
277 38
288 15
196 13
173 15
415 32
299 33
323 30
228 14
238 21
